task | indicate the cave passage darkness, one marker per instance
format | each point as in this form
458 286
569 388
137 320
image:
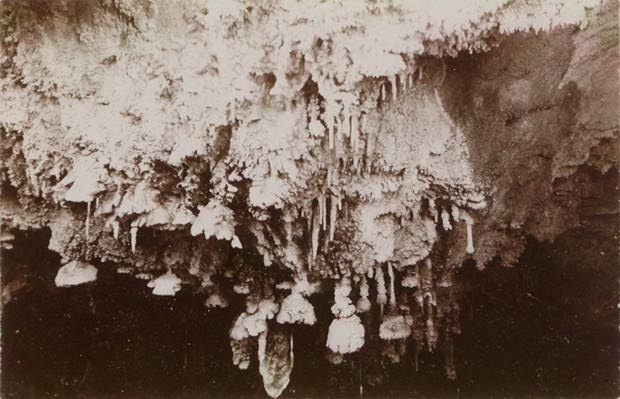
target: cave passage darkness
544 328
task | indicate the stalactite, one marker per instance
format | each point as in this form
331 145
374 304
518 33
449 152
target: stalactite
470 239
370 138
432 207
394 326
88 219
288 227
394 84
134 236
382 92
381 290
363 303
340 129
402 81
316 221
455 212
275 360
346 117
410 78
322 211
355 134
115 229
469 222
330 126
445 220
333 214
431 335
392 288
426 275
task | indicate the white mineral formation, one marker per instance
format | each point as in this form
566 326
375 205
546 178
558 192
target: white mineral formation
216 300
253 321
469 222
381 289
313 129
267 192
167 284
346 332
394 325
239 331
345 335
296 308
275 360
115 229
411 279
140 199
75 273
363 303
241 288
241 352
445 220
84 179
133 232
85 184
343 307
144 276
216 220
6 239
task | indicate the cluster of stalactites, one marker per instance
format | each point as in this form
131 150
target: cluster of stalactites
140 205
255 330
344 118
322 216
420 309
413 313
447 215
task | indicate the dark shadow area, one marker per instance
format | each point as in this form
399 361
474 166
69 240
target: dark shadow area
545 328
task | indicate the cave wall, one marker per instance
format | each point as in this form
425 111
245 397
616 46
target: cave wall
541 121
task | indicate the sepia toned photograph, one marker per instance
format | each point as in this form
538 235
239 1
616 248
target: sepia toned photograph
309 199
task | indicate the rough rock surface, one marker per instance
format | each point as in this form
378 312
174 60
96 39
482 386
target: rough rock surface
229 140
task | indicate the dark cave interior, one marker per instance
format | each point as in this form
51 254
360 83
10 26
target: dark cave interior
544 328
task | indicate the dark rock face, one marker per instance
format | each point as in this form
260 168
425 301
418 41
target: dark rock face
325 188
535 138
545 327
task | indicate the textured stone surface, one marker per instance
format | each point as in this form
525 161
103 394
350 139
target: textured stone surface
229 141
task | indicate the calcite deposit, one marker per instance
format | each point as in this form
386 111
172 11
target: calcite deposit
360 151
